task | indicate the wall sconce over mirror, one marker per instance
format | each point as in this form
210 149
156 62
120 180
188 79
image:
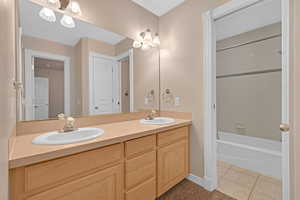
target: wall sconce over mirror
70 6
146 41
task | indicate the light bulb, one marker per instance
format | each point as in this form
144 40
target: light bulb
148 36
74 7
47 14
67 21
137 44
156 40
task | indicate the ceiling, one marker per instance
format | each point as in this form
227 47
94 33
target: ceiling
33 25
158 7
259 15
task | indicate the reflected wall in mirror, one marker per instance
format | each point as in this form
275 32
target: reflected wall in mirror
85 70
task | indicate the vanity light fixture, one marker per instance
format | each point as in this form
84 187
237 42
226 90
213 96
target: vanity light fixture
146 41
64 5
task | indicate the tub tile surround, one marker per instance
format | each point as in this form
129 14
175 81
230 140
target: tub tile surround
244 184
23 152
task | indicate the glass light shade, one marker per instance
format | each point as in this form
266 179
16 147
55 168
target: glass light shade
67 21
156 40
148 36
137 44
47 14
145 47
74 7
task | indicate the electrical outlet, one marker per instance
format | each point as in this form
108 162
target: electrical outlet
177 101
146 100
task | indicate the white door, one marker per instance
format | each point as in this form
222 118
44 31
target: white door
103 86
41 98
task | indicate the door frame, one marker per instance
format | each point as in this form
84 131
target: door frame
209 82
129 54
29 80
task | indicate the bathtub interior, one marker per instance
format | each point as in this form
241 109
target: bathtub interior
255 154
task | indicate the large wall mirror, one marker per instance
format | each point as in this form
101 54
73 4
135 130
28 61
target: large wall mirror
81 69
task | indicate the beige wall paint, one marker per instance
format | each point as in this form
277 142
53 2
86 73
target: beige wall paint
123 46
146 78
123 17
250 105
101 47
181 67
295 99
7 91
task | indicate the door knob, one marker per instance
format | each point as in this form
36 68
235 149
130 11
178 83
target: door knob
284 127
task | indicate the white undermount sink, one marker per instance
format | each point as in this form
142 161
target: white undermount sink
158 121
60 138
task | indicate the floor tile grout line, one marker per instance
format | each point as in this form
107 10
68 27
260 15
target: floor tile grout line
226 171
253 187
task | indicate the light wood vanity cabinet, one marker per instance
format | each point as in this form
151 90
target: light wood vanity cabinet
172 158
142 168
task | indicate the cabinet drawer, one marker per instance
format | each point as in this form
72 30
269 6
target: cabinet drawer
103 185
146 191
171 136
140 169
140 145
60 170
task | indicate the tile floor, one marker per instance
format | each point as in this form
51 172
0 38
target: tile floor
243 184
187 190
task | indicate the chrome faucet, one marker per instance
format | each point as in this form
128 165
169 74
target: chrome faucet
151 115
69 123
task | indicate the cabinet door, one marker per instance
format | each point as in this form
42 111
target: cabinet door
103 185
172 165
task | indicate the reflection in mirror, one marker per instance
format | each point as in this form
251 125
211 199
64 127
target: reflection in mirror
84 70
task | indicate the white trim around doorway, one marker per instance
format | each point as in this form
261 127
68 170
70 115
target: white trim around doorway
209 80
29 80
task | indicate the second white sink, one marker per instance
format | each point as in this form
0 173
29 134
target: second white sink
158 121
59 138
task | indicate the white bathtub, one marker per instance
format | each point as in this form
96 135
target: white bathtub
256 154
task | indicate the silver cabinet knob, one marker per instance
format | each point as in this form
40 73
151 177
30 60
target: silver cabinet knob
96 107
284 128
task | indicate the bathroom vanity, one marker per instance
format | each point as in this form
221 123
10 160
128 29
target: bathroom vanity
130 161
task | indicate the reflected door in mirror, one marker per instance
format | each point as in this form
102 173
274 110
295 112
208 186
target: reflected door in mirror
41 100
103 85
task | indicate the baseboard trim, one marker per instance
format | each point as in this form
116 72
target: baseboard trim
203 182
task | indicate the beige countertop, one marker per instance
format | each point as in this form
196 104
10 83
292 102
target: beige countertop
23 152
